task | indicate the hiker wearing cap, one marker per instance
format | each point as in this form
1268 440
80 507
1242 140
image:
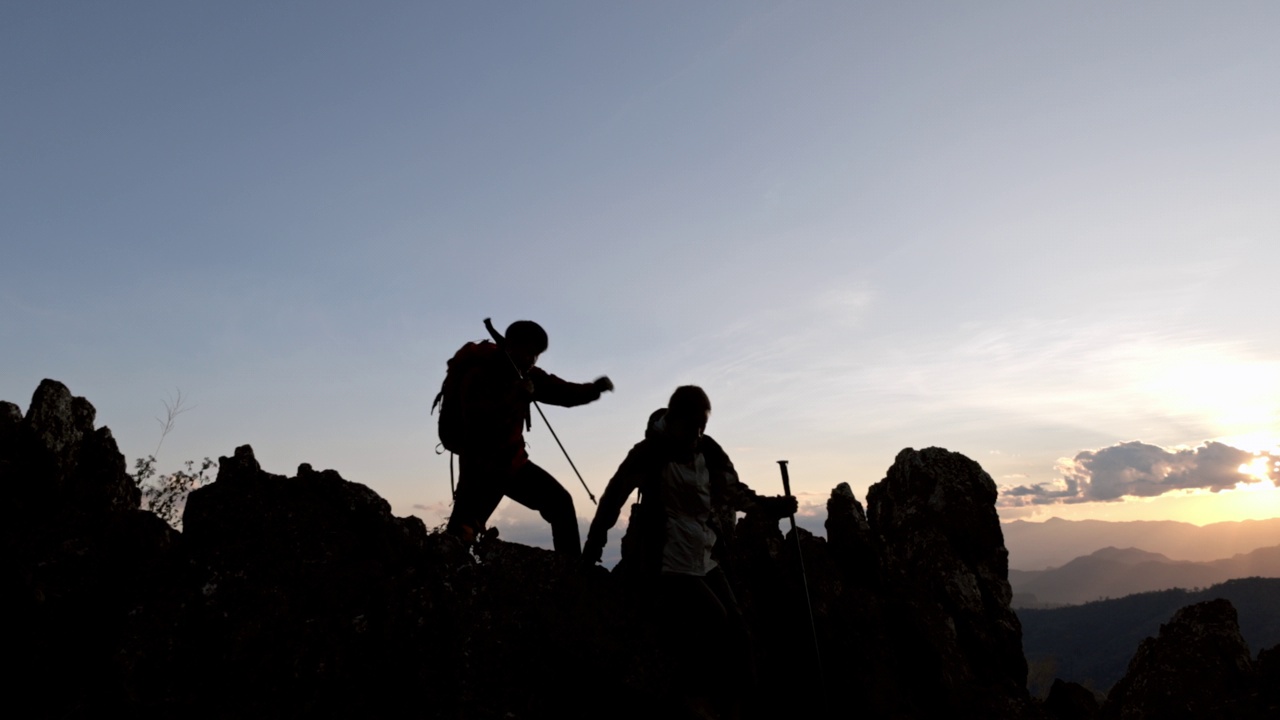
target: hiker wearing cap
484 413
689 494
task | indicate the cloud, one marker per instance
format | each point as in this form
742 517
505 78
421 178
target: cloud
1137 469
433 513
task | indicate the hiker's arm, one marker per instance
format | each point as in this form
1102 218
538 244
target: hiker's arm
549 389
736 493
620 487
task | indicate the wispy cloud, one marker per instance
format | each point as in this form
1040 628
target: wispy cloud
1138 469
433 514
1032 365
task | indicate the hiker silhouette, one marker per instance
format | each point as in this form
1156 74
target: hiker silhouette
484 411
689 496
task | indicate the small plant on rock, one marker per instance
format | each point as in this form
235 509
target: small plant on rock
166 495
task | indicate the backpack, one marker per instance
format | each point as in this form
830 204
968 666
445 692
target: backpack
449 399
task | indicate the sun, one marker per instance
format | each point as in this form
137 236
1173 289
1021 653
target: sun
1237 398
1259 470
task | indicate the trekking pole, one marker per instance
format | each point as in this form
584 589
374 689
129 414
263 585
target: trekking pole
501 342
786 488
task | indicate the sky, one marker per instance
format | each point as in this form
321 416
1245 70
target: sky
1043 235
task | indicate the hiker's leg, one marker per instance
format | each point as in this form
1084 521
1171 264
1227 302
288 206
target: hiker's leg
737 662
691 634
738 636
534 488
480 482
690 613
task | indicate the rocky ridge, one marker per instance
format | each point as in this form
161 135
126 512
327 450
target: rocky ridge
304 596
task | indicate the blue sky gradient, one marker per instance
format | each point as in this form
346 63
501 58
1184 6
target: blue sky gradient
1018 231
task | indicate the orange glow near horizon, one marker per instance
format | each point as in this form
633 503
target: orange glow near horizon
1259 500
1256 496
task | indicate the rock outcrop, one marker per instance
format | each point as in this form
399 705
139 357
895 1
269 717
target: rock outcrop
80 557
911 604
1199 666
304 596
1070 701
1268 669
942 550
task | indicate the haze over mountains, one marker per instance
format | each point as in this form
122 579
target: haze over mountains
1055 542
1114 572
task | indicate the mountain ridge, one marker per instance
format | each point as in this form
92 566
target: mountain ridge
1056 541
1115 572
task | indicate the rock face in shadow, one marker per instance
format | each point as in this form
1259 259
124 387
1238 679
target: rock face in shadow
81 468
942 549
1199 666
910 602
1070 701
304 596
1268 669
79 556
316 601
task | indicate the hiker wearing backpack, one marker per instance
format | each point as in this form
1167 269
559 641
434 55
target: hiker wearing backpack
689 494
484 411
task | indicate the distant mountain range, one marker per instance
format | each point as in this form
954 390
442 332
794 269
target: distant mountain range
1055 542
1092 643
1114 572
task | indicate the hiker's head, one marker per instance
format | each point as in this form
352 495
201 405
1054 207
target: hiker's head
526 340
687 413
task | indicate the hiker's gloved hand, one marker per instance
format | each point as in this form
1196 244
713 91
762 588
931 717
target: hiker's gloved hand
591 551
777 507
603 384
